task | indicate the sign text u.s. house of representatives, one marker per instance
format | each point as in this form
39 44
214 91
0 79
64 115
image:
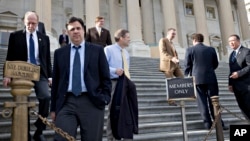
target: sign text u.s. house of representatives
22 70
180 88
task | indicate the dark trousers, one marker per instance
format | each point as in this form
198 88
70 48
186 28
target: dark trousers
41 88
43 95
80 111
242 96
204 92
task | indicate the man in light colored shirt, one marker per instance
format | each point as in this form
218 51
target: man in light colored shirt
115 61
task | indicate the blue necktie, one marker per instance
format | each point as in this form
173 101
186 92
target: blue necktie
233 56
76 76
32 50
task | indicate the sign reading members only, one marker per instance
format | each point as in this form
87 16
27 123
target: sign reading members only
180 89
22 70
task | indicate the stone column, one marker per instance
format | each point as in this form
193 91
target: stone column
77 9
137 46
114 17
169 15
92 11
226 24
201 20
147 21
43 9
243 20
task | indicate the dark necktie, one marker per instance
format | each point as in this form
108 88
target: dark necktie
76 76
32 50
233 56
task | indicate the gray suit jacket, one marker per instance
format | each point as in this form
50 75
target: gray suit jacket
242 66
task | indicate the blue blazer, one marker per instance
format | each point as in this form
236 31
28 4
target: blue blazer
201 62
96 76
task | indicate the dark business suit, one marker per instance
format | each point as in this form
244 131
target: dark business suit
63 40
17 51
200 62
98 85
241 85
124 120
93 36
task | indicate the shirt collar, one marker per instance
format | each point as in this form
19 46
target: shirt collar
82 44
237 50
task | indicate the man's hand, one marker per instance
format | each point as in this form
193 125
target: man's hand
50 82
53 116
119 71
175 60
230 88
234 75
6 81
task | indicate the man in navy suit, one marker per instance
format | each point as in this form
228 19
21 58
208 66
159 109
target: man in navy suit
19 50
63 38
239 77
83 103
98 34
201 62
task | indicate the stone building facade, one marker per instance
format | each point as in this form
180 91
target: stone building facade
147 20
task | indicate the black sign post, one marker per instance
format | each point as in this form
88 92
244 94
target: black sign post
180 89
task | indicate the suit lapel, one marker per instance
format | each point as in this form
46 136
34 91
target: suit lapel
25 45
39 41
239 52
67 54
86 55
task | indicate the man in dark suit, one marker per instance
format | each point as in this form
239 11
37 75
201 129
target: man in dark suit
19 49
239 77
98 34
80 103
41 28
201 62
63 38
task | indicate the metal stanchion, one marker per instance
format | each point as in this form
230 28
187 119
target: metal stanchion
216 105
184 124
20 89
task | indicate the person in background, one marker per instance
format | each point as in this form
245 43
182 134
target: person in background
98 34
239 77
123 92
169 62
81 86
201 62
63 38
33 47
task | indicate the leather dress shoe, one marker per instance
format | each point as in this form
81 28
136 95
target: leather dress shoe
39 138
225 127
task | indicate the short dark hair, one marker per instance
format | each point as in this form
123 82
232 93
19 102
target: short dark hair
120 33
198 37
235 35
75 19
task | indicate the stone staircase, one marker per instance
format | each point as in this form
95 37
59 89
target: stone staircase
158 121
